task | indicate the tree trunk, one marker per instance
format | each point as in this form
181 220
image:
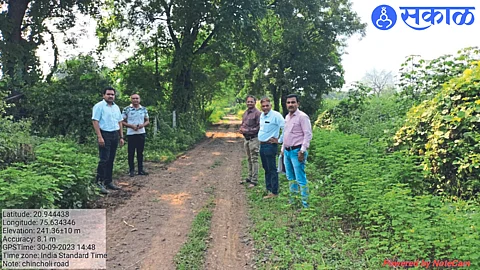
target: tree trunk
13 49
284 104
276 97
183 88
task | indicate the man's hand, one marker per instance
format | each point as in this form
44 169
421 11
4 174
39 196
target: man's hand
273 140
301 156
281 152
101 142
122 142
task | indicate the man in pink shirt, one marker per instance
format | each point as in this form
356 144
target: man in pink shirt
296 140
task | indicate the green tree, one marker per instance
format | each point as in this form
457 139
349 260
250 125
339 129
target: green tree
188 28
23 28
302 44
64 106
422 79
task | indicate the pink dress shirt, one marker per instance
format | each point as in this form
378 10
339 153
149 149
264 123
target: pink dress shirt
298 130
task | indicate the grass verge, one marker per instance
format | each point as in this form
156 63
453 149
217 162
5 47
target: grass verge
290 237
192 254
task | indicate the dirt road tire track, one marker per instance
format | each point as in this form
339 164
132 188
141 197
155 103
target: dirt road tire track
149 228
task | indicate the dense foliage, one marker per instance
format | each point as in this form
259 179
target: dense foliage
388 180
373 194
64 106
60 177
373 117
445 132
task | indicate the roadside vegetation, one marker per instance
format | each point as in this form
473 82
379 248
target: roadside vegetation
392 177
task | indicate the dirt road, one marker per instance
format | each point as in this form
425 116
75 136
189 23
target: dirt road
152 223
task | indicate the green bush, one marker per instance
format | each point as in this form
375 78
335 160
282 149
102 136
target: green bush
373 117
169 141
445 131
371 192
16 144
64 106
60 177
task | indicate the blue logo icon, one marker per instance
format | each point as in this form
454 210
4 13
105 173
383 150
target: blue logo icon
384 17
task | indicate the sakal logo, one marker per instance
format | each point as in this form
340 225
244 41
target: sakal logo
384 17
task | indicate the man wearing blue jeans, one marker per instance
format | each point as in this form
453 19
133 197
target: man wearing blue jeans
271 122
296 140
107 123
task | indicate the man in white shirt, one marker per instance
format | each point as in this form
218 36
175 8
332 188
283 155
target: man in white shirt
271 123
135 119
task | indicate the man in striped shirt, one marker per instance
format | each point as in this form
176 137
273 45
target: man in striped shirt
249 129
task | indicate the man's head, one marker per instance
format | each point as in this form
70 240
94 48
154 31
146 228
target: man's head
266 105
292 103
251 100
135 99
109 94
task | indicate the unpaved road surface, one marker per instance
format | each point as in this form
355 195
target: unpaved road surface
149 220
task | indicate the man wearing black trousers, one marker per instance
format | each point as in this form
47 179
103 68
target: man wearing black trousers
135 119
107 123
271 126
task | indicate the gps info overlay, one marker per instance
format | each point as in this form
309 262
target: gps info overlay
53 239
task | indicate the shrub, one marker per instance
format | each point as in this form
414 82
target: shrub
373 117
16 144
445 132
370 191
60 176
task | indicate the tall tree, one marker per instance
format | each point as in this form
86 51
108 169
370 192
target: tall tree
190 27
23 28
303 42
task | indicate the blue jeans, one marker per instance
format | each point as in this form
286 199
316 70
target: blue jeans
295 171
107 156
268 154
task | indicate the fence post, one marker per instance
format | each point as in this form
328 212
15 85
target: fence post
155 126
174 122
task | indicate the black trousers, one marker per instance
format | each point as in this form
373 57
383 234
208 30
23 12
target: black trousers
136 142
107 156
268 154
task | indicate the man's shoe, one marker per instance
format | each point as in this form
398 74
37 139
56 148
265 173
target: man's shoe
271 195
142 173
102 188
112 186
132 173
246 180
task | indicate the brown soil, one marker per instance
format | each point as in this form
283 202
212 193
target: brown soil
149 220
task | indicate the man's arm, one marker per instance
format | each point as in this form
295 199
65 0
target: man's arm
307 132
120 125
146 122
242 128
256 128
96 127
281 123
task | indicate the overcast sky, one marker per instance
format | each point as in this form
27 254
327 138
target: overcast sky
387 49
